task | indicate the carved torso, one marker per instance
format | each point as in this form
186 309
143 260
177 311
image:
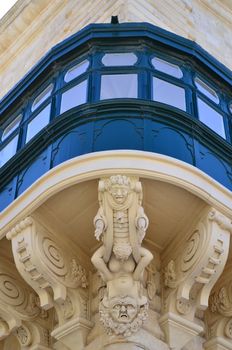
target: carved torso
121 222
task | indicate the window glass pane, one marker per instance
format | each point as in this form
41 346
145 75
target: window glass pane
8 151
42 97
230 108
119 59
74 96
168 93
11 127
211 118
76 70
119 86
38 123
206 90
167 67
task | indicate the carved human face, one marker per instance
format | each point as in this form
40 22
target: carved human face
124 310
119 193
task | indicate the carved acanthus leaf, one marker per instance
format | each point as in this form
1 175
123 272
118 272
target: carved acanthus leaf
170 275
219 314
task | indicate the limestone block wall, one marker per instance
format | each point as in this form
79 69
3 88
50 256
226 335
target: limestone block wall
32 27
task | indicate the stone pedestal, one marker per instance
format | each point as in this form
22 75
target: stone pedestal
218 343
73 333
137 341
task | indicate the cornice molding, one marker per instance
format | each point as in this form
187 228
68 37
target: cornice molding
85 114
221 8
94 165
18 19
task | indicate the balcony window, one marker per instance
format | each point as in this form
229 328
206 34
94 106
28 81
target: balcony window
119 59
230 107
169 93
206 90
210 117
8 151
119 86
42 97
74 96
38 122
11 127
76 71
167 67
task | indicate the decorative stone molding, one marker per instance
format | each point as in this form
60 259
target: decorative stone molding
17 300
219 314
33 335
121 260
170 275
43 263
20 313
55 274
24 336
191 273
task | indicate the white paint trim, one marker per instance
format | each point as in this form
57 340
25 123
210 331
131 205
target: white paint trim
94 165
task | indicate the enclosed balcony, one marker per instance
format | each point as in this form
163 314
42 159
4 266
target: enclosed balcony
117 87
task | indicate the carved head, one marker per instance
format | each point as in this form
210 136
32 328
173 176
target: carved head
123 310
122 250
119 188
123 315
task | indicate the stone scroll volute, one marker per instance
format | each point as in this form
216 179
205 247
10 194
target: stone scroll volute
121 225
192 268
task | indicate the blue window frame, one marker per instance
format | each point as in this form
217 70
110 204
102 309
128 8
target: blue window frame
111 73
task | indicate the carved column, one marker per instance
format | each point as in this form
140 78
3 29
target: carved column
20 314
53 270
121 261
192 268
219 315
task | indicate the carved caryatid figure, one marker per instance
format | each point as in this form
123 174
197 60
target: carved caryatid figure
121 224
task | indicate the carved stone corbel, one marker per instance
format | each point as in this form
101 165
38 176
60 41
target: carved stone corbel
121 260
219 314
16 300
190 274
55 273
18 307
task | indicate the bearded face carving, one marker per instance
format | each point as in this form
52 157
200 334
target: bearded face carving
123 310
123 315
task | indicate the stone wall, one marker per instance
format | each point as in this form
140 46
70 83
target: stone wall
32 27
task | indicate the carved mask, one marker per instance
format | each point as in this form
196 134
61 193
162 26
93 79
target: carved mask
123 310
119 193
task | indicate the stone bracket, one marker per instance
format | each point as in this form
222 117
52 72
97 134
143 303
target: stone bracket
218 343
178 330
43 263
204 257
73 332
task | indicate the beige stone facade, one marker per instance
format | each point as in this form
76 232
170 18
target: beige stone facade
115 250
